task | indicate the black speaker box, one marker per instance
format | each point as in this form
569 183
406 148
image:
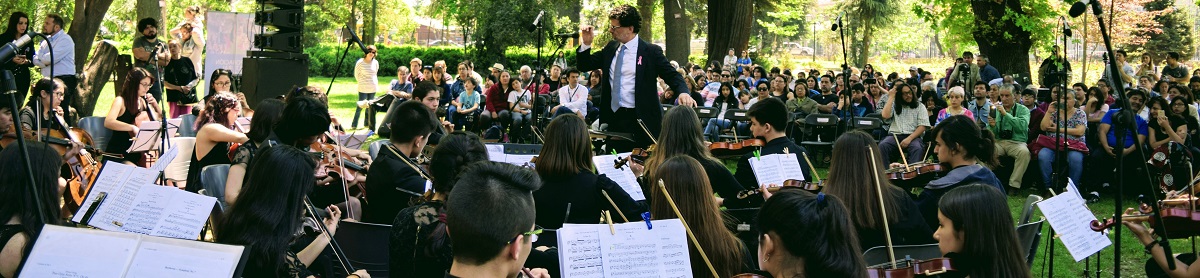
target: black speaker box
264 78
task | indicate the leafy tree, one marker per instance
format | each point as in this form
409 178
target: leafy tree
782 21
866 17
496 25
729 27
1005 30
1176 31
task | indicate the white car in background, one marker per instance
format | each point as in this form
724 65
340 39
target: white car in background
797 50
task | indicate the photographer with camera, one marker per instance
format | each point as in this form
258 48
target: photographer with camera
1010 123
966 72
1054 70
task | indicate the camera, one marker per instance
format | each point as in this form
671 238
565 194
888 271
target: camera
1006 134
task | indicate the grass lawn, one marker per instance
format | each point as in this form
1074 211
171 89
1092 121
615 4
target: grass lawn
342 104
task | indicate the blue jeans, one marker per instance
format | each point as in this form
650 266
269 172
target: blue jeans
1074 165
460 120
712 131
368 118
562 110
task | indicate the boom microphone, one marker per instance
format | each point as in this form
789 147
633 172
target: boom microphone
9 49
567 35
836 23
1079 7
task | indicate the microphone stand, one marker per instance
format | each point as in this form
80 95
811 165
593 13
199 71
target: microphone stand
162 132
10 89
1125 120
536 83
845 78
1060 163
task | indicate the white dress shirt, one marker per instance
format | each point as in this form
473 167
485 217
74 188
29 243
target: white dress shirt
574 98
626 74
64 55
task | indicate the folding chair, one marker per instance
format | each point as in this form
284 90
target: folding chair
187 125
374 147
1029 234
735 116
817 123
1027 209
366 246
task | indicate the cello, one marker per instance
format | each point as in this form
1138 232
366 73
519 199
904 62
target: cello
84 168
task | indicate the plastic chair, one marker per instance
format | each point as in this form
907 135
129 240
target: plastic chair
212 180
187 125
1030 234
366 246
879 254
705 113
95 127
817 143
868 125
177 169
735 116
374 147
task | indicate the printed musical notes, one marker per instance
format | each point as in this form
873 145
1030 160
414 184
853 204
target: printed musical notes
112 254
776 168
1069 215
136 205
590 250
622 176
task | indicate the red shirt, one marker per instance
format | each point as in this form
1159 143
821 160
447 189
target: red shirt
497 99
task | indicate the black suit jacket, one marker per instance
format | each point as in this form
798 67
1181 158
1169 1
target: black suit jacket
651 64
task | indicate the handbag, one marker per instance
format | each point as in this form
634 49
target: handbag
1044 142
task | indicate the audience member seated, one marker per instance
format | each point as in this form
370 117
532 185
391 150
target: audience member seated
1011 127
908 119
1062 123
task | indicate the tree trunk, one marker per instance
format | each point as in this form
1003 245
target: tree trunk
1006 44
678 29
369 31
729 24
865 52
150 8
937 41
84 26
646 10
95 75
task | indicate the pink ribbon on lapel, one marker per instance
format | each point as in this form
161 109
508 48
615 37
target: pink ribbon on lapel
639 60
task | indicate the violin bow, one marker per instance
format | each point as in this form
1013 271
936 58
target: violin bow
691 236
647 130
887 230
614 204
342 164
896 137
816 176
337 249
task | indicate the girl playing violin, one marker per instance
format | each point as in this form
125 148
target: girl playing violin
681 136
19 221
129 108
805 235
975 230
685 181
258 225
960 145
269 112
851 180
568 176
214 131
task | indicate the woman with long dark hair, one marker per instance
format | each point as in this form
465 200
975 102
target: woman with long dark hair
268 225
48 94
215 130
960 146
1165 125
129 108
852 179
975 229
725 101
684 179
681 135
565 166
18 206
419 245
261 126
18 25
805 235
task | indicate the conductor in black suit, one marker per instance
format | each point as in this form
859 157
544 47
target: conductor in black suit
629 88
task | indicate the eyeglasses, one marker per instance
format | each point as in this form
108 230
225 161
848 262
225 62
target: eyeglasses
724 75
222 83
533 235
614 27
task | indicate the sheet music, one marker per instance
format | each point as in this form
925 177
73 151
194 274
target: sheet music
149 137
1070 217
122 182
623 176
518 159
495 152
243 122
136 205
634 251
111 254
161 257
354 140
165 159
184 216
57 253
776 168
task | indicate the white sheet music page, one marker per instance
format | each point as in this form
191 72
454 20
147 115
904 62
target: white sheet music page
75 252
790 166
1070 217
496 152
623 176
168 212
766 170
164 257
165 159
122 182
634 251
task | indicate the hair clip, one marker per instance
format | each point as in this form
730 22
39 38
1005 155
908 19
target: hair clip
821 199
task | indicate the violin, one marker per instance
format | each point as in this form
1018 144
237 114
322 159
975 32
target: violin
333 161
735 148
810 186
909 267
638 155
1178 214
913 171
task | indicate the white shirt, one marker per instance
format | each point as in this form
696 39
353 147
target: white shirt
64 55
516 98
574 98
627 73
367 75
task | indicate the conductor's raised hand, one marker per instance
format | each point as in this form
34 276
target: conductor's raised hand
587 33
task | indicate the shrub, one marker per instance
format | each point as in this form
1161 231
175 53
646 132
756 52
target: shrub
323 59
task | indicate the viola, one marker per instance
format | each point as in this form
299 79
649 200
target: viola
84 168
909 267
810 186
913 171
638 155
723 149
333 161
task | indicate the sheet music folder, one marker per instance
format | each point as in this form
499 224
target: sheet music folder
111 254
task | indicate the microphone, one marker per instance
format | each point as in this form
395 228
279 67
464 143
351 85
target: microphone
1066 26
567 35
1079 7
537 21
836 23
8 50
354 38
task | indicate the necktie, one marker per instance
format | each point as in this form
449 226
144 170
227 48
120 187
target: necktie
616 79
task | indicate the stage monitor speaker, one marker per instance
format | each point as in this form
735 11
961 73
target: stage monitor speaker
265 78
280 41
284 19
